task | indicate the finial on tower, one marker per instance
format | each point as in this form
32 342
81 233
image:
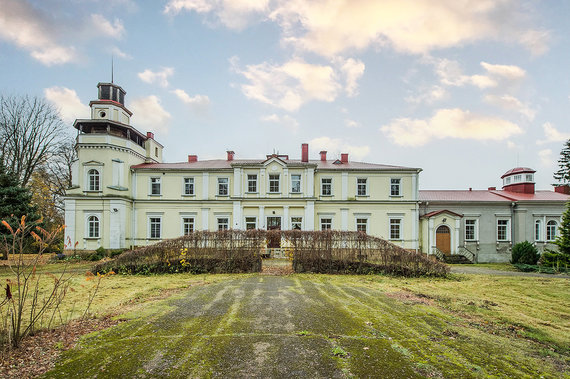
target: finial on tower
112 68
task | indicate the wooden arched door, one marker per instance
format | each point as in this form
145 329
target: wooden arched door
443 239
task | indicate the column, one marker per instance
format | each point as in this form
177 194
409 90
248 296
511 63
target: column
310 183
344 218
456 242
431 235
285 222
70 223
205 182
237 215
237 182
205 212
261 220
309 216
285 183
344 191
415 227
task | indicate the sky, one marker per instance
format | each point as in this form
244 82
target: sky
464 89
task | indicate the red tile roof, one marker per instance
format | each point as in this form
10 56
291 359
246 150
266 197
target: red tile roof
225 164
518 170
493 195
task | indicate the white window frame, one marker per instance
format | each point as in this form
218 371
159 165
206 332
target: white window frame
271 179
529 177
245 222
475 230
149 229
359 185
297 222
321 223
293 181
551 235
357 223
184 223
399 185
400 228
89 176
227 185
219 224
250 180
538 236
507 230
517 178
88 224
187 183
328 184
150 182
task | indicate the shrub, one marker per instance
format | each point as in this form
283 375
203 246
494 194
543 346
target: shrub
525 252
555 260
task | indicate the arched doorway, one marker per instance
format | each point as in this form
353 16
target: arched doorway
443 239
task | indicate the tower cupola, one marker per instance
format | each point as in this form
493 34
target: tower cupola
520 180
110 104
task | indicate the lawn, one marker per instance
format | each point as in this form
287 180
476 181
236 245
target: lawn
320 326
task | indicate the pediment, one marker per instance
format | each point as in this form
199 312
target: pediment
93 163
276 160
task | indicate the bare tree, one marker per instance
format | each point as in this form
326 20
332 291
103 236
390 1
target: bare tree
31 132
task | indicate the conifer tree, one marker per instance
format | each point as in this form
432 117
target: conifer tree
563 174
563 240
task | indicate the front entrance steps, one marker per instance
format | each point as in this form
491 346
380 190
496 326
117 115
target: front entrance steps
456 259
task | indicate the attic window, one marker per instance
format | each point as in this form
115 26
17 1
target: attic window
517 178
337 162
529 178
156 151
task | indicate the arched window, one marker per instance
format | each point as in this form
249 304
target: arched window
551 227
537 230
93 180
93 227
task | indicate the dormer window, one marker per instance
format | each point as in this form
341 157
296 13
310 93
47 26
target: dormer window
507 180
529 178
517 178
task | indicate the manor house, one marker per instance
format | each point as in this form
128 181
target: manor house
124 195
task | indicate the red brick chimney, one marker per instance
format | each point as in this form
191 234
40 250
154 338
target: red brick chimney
305 152
344 157
150 135
492 188
565 189
230 155
192 158
323 155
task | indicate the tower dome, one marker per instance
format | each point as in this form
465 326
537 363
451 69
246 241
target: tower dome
519 179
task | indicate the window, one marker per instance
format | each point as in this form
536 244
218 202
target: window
551 227
508 180
274 183
326 223
187 225
296 183
94 183
296 223
395 187
252 183
93 227
537 230
361 184
188 186
250 223
362 225
223 186
156 151
517 178
223 223
155 227
395 228
470 230
529 178
155 186
502 230
326 187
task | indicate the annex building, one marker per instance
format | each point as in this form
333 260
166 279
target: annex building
124 195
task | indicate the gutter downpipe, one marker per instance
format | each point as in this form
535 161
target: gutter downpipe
513 206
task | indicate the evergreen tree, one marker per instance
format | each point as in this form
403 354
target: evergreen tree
15 202
563 240
563 174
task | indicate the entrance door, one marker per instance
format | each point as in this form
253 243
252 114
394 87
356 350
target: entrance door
443 239
273 222
274 239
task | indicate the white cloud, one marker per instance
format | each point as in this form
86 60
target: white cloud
285 121
511 145
511 103
147 112
159 77
290 85
103 26
336 146
546 158
119 53
449 123
552 134
351 123
536 41
353 70
198 103
32 31
428 96
234 14
509 72
68 103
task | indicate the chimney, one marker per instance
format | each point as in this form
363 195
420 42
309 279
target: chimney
323 155
344 157
565 189
230 155
492 188
305 152
150 135
470 189
192 158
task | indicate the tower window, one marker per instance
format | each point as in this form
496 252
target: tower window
94 180
93 227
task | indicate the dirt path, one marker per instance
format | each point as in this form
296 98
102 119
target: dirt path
300 326
467 269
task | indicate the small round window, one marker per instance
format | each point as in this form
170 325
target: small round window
102 114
